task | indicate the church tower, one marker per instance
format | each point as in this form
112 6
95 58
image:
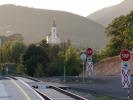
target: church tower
53 37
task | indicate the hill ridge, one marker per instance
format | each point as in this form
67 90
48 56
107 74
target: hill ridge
34 24
106 15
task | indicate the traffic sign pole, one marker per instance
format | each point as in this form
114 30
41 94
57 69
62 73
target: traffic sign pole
83 72
125 70
89 63
128 95
83 58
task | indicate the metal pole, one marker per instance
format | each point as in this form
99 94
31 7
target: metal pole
64 73
64 65
83 72
128 91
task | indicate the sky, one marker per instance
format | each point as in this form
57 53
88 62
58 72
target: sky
80 7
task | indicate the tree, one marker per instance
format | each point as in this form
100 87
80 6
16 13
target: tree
34 55
21 69
39 70
6 53
17 49
120 33
55 67
96 56
73 62
44 45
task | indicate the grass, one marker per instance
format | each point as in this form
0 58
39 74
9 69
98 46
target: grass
105 98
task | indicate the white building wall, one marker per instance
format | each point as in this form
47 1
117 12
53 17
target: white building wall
53 38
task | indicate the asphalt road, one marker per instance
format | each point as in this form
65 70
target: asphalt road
15 90
104 86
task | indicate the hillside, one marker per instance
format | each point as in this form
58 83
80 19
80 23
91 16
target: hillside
35 24
106 15
110 66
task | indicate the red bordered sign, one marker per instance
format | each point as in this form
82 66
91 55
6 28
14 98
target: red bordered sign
125 55
89 52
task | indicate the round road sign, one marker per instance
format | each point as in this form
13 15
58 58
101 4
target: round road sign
83 56
89 52
125 55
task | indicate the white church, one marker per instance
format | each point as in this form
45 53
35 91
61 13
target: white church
53 37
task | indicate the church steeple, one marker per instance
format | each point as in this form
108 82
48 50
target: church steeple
53 38
54 25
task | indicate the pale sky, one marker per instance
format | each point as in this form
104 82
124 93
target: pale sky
80 7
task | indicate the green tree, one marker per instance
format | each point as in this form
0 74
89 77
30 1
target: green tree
96 56
32 56
55 67
21 69
6 53
73 62
44 45
39 70
17 49
120 33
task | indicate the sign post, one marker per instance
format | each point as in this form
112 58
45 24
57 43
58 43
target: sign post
6 70
125 70
83 58
89 63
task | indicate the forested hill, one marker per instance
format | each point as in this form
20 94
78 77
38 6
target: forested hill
35 24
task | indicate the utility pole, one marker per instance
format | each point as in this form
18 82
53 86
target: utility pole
64 73
64 63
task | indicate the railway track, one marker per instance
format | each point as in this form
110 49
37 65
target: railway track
47 91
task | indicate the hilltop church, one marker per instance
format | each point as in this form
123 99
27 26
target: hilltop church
53 37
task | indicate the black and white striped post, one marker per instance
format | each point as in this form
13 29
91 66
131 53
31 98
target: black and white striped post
89 62
125 71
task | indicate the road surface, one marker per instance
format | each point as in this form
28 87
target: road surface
15 90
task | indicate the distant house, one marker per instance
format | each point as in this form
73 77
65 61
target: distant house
15 37
10 38
2 40
53 37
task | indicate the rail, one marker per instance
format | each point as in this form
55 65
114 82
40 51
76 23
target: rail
72 95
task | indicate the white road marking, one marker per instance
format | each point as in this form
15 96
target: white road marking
25 94
31 89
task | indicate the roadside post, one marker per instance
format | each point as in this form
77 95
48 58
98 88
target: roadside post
89 63
125 71
6 70
83 58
